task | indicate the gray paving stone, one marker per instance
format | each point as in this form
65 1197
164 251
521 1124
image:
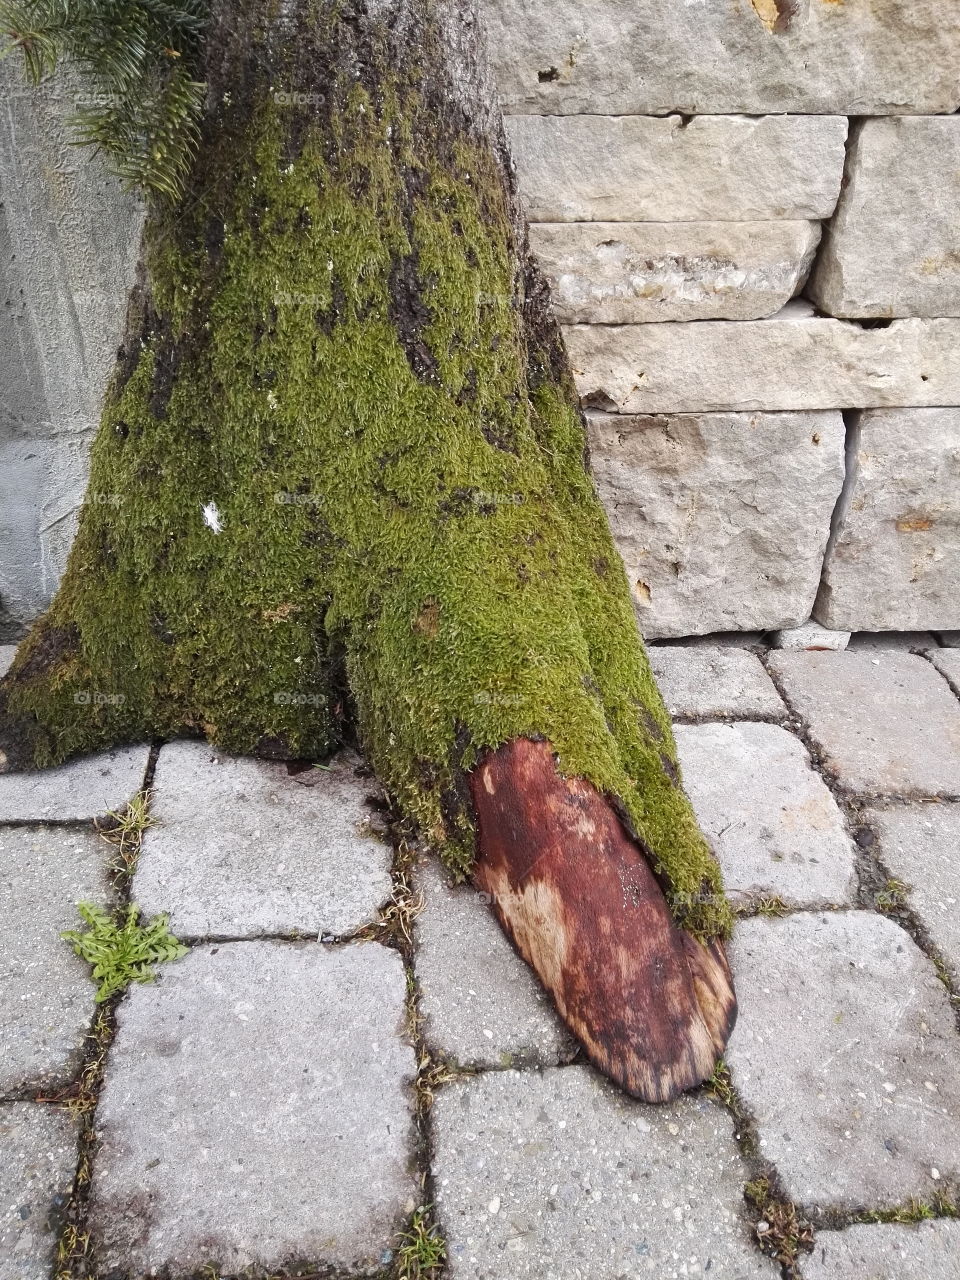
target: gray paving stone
482 1005
559 1176
770 818
75 792
908 640
846 1052
243 848
38 1158
256 1109
710 682
920 845
885 722
886 1251
947 662
7 654
46 994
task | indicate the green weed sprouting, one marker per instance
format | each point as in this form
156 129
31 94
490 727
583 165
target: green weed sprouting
119 949
422 1249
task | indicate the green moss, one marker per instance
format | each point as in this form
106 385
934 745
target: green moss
348 376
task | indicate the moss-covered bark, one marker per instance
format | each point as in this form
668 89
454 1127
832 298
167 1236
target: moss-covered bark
341 344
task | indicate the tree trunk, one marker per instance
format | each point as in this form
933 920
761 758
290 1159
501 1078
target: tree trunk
341 480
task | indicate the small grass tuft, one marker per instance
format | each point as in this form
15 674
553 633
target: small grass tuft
423 1249
124 828
121 950
767 905
720 1086
941 1206
780 1231
892 897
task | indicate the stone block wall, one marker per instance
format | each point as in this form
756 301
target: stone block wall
750 212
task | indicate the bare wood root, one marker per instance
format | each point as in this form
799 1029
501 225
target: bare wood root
652 1006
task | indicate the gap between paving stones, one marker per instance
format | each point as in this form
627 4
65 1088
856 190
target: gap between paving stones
81 1097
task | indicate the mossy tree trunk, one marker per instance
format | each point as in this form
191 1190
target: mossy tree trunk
341 486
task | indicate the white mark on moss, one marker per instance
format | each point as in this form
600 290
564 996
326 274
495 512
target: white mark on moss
211 517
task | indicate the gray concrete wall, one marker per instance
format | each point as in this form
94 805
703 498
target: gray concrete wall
69 240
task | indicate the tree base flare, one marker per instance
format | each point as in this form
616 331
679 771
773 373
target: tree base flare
652 1006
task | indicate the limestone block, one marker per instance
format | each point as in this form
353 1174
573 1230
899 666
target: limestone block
810 636
722 519
794 360
652 56
635 272
667 169
894 562
70 240
893 247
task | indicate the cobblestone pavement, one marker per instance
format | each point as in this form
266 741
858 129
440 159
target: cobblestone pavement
350 1038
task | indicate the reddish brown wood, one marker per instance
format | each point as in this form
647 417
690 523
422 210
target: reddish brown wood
652 1007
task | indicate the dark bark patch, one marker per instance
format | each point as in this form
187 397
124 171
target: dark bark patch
166 366
327 319
273 746
670 768
410 316
651 724
49 646
159 625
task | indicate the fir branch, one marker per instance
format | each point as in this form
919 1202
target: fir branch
139 60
